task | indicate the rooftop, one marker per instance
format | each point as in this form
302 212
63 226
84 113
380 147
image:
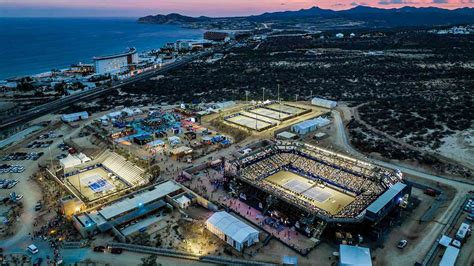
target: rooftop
140 199
386 197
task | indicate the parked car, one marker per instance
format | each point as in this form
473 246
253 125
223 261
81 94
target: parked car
402 244
38 262
32 249
38 206
116 250
430 192
99 249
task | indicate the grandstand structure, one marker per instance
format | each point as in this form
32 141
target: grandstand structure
307 186
101 179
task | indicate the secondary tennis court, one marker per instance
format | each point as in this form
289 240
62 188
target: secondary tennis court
94 183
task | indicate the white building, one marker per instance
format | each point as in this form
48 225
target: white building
113 64
339 35
232 230
74 117
323 103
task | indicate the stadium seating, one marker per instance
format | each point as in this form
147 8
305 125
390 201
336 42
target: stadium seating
124 169
365 180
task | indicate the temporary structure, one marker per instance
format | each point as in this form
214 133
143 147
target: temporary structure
232 230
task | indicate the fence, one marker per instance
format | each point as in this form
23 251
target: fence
185 255
428 260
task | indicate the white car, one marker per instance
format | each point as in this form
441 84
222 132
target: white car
32 249
402 244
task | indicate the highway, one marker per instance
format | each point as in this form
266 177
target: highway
55 105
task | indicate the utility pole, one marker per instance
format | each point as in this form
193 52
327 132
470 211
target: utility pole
278 96
247 97
51 160
263 94
296 97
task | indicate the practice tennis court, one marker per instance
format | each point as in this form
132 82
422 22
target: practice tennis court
270 113
285 108
248 122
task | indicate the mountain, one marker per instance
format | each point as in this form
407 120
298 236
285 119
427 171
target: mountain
172 18
367 16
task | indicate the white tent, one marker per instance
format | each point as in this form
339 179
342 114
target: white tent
183 202
70 161
83 158
232 230
74 117
323 103
354 256
445 240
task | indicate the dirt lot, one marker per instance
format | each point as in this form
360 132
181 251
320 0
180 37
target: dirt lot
410 229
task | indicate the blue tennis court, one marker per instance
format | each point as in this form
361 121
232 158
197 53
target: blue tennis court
97 183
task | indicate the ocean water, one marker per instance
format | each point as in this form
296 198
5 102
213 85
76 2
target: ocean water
35 45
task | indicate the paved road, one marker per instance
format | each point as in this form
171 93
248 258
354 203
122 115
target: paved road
18 242
89 94
462 188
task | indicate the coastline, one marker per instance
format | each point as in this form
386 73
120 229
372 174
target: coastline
30 59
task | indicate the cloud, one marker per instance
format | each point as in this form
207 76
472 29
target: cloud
361 4
396 2
440 2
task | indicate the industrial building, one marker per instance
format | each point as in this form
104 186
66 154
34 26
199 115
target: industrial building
323 103
138 210
232 230
311 125
68 118
117 63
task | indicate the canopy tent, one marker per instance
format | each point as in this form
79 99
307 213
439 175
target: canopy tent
234 231
70 161
83 158
323 103
174 140
155 143
445 240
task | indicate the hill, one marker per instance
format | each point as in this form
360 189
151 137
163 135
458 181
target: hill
366 16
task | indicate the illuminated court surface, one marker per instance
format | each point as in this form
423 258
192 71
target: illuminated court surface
95 183
325 198
286 108
249 122
270 113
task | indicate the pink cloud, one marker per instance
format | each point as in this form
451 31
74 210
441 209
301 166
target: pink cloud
226 7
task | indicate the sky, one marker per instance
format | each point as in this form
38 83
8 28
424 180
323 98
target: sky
215 8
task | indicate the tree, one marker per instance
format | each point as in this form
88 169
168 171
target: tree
150 260
155 171
60 88
25 85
